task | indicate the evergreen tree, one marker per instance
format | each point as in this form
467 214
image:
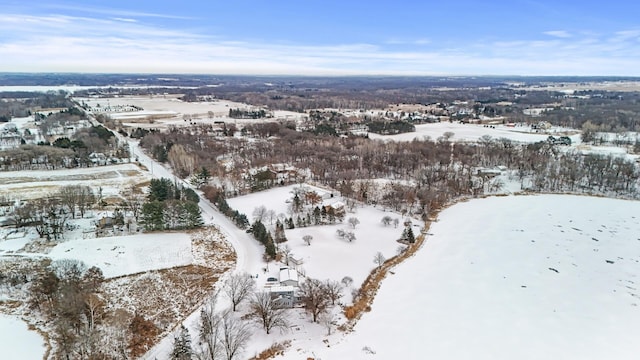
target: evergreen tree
160 189
152 215
182 345
269 247
192 215
407 235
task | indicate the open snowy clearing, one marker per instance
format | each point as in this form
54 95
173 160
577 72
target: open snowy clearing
17 341
353 259
32 184
125 255
518 277
473 132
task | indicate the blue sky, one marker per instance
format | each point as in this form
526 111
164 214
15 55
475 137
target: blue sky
313 37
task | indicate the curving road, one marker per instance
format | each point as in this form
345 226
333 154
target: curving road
248 251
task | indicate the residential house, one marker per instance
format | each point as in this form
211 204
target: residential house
284 294
288 277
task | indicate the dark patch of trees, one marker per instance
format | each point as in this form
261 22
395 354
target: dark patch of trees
170 206
390 127
261 234
67 293
247 114
216 196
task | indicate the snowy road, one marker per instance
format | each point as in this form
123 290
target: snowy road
248 250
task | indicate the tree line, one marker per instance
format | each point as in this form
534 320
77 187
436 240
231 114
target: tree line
437 169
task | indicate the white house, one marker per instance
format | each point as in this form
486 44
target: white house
284 294
288 277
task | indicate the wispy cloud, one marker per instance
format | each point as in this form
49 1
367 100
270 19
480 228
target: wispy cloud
92 11
124 19
558 33
395 41
123 44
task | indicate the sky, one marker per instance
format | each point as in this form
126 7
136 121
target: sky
322 37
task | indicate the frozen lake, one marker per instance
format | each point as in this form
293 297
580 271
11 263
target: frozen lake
17 341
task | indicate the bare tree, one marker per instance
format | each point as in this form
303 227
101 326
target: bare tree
334 290
328 320
347 281
235 335
86 199
270 215
268 311
134 201
314 297
379 259
237 287
68 196
259 213
353 221
286 252
94 309
23 215
307 239
210 331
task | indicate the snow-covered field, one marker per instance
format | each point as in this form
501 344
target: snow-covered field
113 179
169 109
518 277
17 341
114 255
125 255
472 132
353 259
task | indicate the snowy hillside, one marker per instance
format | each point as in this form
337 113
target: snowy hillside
519 277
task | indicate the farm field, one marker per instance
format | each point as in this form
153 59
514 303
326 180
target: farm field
113 179
473 132
527 277
169 109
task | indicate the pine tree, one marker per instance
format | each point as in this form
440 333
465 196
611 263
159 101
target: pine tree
270 248
182 345
409 235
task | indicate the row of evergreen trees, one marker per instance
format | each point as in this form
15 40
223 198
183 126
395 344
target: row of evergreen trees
219 200
263 235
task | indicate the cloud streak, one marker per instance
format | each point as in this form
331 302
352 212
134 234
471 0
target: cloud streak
125 44
558 33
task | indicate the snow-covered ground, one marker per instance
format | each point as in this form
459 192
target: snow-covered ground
124 255
112 179
17 341
518 277
473 132
353 259
169 109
